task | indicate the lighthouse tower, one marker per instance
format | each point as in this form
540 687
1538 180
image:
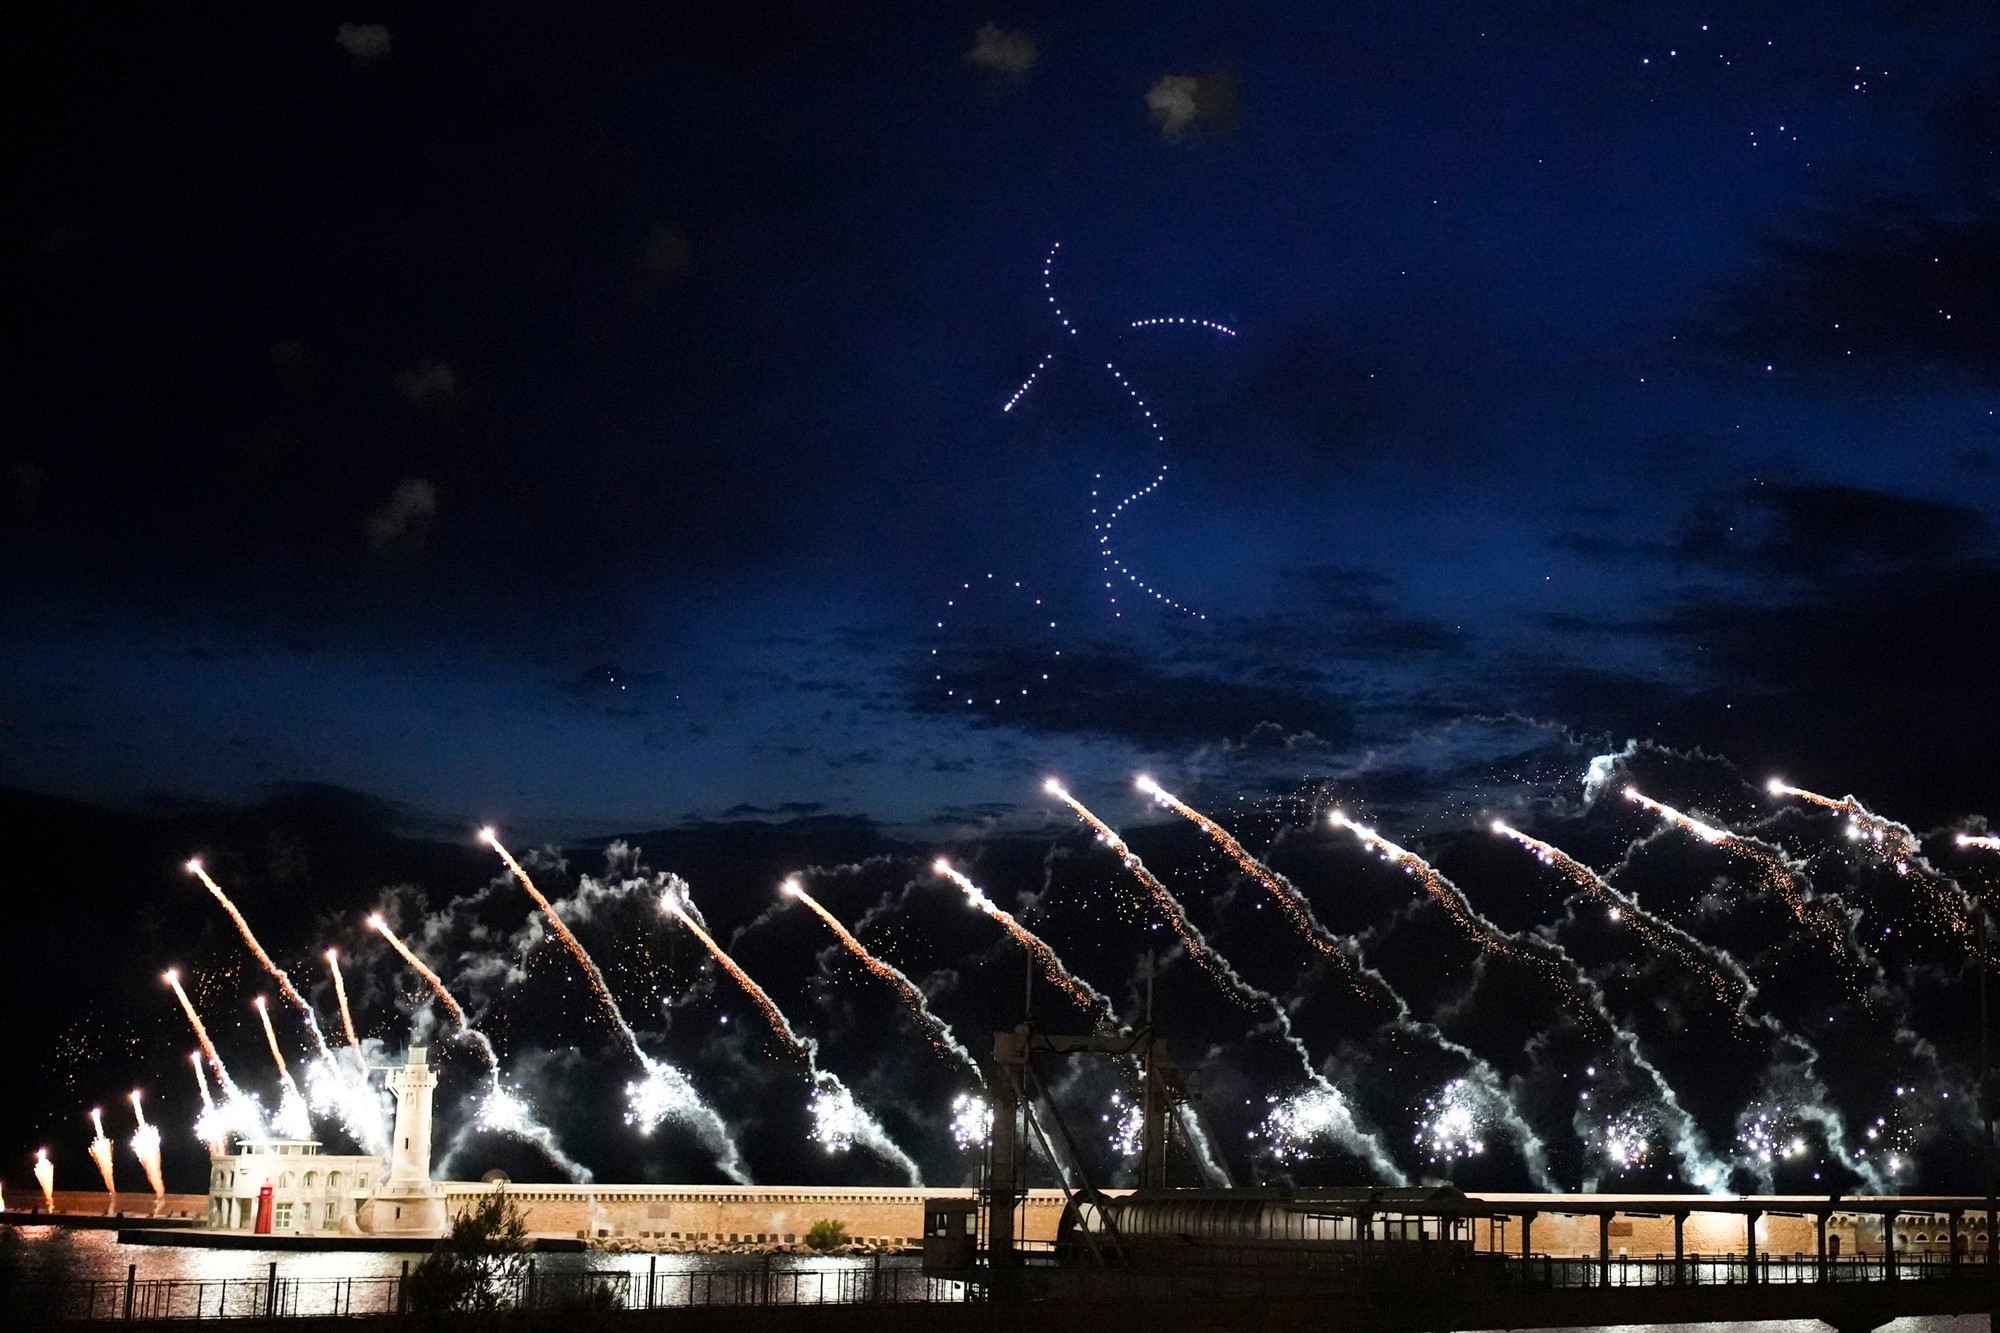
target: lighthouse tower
408 1201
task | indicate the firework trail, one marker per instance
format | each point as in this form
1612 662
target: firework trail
1320 1110
1085 994
1726 977
1773 868
146 1145
664 1093
838 1120
1170 907
1723 975
1482 1079
1107 521
1700 1167
346 1015
100 1150
173 979
1978 841
451 1005
1899 846
292 1120
942 1037
208 1124
291 992
500 1108
45 1176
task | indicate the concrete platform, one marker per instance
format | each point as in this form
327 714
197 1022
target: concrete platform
94 1221
202 1238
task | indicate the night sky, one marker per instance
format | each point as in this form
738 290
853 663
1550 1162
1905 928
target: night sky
430 417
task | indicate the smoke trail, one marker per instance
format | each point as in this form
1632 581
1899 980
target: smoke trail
45 1176
1085 994
1703 1169
1897 844
1320 1110
942 1037
146 1146
838 1120
346 1016
1483 1085
664 1093
500 1108
278 975
100 1150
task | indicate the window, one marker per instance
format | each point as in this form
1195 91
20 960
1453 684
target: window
312 1180
284 1217
362 1183
305 1214
286 1181
333 1180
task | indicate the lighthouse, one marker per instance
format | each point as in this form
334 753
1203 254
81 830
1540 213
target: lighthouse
408 1200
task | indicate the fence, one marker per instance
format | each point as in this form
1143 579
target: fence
274 1296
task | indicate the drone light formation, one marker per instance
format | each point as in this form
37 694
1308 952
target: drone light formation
942 1038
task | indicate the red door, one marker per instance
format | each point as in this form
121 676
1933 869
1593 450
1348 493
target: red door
264 1210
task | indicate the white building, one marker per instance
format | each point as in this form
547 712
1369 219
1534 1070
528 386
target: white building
288 1187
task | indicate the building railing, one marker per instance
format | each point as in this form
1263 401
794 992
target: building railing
275 1296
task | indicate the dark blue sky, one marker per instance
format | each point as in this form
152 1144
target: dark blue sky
585 427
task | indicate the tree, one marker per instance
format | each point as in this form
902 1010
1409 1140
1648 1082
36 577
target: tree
826 1234
479 1263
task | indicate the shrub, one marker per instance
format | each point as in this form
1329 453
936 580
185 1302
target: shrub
478 1265
826 1234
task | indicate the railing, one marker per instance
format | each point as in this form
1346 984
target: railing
274 1296
1710 1270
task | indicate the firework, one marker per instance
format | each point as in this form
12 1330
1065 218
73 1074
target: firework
1772 868
1453 1125
346 1016
1898 846
1170 907
664 1093
278 974
1126 1121
971 1121
292 1120
436 983
1978 841
228 1085
1732 987
941 1035
1053 967
146 1146
1585 996
45 1176
100 1150
839 1121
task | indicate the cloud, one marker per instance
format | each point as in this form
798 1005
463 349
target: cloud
363 41
1177 102
403 522
428 384
1004 51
